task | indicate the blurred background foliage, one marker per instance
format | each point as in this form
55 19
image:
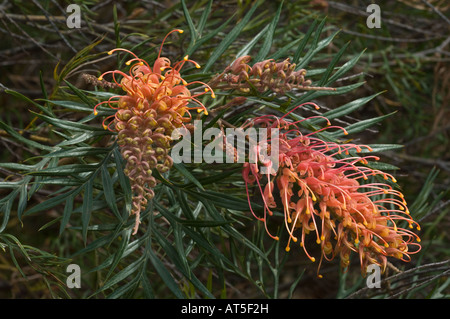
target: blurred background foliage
407 59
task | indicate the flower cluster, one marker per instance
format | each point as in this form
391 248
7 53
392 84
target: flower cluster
319 187
155 105
279 77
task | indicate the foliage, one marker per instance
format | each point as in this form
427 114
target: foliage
64 192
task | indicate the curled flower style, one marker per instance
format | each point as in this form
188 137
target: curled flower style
321 193
279 77
156 103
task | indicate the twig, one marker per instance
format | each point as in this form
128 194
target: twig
408 273
436 209
436 11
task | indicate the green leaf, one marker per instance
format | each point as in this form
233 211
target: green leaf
229 38
361 125
382 166
264 51
123 179
164 274
377 148
52 202
119 253
108 191
302 44
192 30
349 107
68 208
11 132
26 99
331 65
65 170
344 68
180 167
204 18
311 95
87 207
314 49
82 137
79 152
246 49
80 94
5 207
69 125
23 199
124 273
221 199
71 105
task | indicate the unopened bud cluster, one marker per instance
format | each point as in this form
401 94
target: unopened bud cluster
278 77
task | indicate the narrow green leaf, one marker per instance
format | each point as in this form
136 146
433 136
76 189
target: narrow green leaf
192 30
41 81
71 105
100 242
207 37
376 148
164 274
302 44
52 202
314 49
119 253
69 125
65 170
331 65
80 94
123 179
246 49
382 166
311 95
349 107
5 207
68 208
229 38
108 191
23 199
87 207
82 137
26 99
361 125
79 152
222 200
11 132
124 273
344 68
264 51
204 18
180 167
125 289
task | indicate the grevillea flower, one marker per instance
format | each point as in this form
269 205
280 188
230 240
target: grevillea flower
279 77
155 105
321 193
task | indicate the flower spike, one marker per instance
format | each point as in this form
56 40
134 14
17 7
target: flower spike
155 105
329 200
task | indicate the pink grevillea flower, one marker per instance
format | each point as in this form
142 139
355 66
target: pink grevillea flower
155 105
321 192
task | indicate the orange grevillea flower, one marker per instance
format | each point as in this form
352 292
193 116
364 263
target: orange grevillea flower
320 188
156 103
